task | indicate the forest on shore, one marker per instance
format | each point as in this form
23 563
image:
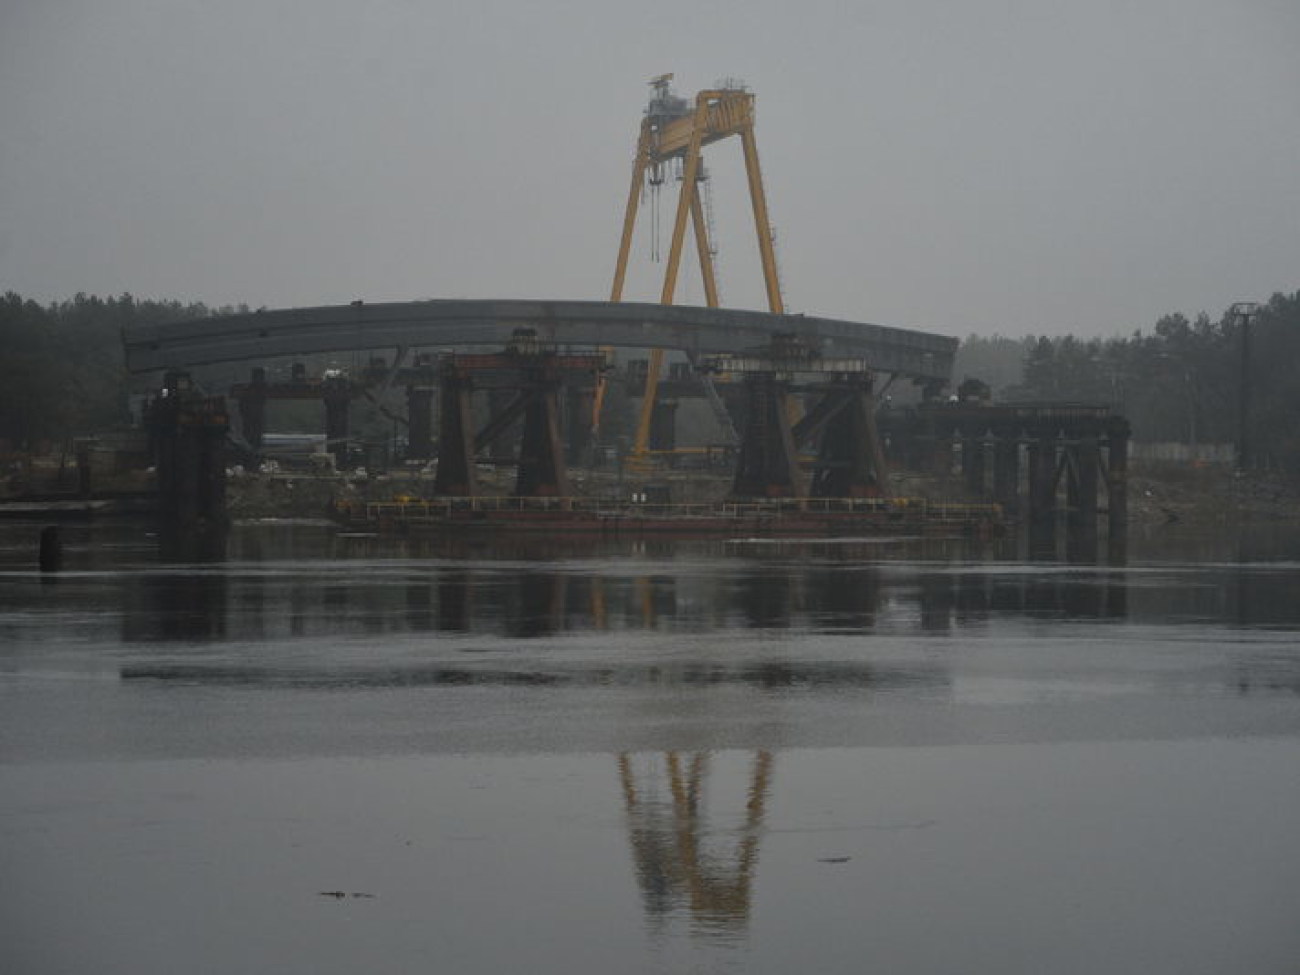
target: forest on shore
62 373
1179 382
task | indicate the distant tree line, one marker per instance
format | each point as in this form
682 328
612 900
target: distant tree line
62 371
1179 382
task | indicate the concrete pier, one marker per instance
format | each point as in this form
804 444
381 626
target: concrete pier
1050 464
188 440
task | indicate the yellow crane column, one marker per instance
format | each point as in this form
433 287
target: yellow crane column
672 130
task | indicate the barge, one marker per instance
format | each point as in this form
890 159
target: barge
585 517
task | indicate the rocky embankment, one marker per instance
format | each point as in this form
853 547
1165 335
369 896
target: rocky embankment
1210 496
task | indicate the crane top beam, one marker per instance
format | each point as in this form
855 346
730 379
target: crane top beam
727 112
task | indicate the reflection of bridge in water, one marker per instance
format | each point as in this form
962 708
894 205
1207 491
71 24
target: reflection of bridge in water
696 805
447 589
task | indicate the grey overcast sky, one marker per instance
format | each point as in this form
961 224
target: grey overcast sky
1019 166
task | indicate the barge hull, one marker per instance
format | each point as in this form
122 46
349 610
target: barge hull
559 519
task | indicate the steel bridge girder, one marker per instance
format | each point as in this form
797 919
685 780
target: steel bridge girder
449 323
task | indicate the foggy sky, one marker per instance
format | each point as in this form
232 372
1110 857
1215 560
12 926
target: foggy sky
1017 166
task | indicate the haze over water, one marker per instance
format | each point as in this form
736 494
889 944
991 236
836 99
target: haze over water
317 753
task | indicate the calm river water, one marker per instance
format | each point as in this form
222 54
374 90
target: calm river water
307 752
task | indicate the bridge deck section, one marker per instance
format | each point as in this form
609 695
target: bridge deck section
447 323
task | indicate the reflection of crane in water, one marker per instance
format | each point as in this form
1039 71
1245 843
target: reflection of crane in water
676 864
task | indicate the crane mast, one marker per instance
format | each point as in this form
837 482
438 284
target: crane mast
674 129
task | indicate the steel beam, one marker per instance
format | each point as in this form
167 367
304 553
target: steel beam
447 323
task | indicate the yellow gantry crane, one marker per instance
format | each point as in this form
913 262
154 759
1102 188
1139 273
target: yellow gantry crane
673 129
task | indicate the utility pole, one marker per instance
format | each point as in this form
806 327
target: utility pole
1244 312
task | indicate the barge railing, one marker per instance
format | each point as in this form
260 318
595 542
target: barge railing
447 508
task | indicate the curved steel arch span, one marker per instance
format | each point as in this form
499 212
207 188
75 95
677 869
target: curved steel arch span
444 323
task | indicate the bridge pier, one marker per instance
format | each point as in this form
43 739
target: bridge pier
336 394
1117 488
457 473
528 378
419 422
1082 446
973 463
187 433
1006 473
1083 464
542 471
504 449
851 458
579 404
841 420
252 409
767 466
1041 507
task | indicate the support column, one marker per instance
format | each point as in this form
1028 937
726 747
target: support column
1042 495
419 422
1081 522
972 464
578 423
1117 489
457 475
851 460
768 466
336 392
1006 471
941 458
188 432
252 410
873 446
541 451
504 448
